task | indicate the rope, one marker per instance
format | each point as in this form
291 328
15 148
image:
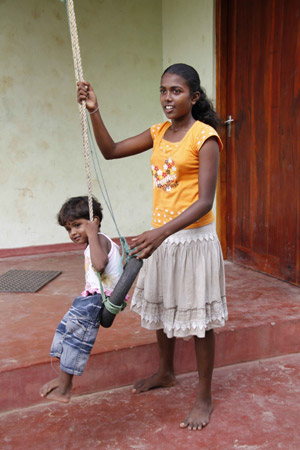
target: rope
85 129
104 192
82 107
87 135
112 308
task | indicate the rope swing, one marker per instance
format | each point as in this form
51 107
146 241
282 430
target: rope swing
82 107
116 302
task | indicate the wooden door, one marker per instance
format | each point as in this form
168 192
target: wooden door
258 84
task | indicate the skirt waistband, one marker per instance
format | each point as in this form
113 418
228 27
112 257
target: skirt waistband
205 233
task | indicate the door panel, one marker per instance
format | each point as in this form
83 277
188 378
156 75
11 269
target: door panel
263 152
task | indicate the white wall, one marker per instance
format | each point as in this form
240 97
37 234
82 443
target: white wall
125 44
41 156
189 37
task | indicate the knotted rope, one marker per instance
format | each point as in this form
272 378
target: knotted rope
113 308
88 142
82 107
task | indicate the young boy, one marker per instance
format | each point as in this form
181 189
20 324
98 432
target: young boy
76 333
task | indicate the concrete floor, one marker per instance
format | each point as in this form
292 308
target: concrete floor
256 407
256 402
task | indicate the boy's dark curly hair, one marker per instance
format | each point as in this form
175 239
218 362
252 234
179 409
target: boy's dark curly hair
78 208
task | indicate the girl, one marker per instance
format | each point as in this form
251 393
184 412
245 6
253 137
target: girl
77 332
180 290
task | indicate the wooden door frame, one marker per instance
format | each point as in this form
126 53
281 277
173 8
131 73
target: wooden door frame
221 19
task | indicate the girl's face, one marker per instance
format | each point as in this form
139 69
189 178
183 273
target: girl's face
77 231
175 97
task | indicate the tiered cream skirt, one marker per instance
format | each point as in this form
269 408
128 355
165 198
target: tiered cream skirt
181 287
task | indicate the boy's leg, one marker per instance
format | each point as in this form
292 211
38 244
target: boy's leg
205 351
72 344
56 351
165 377
81 331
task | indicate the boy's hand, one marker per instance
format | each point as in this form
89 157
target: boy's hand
99 245
86 93
92 228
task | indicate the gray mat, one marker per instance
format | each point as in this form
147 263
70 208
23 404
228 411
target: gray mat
26 280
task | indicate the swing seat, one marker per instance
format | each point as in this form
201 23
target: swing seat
119 293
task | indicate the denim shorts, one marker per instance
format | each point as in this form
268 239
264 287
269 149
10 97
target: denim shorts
76 334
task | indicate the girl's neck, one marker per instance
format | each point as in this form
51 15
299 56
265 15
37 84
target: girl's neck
178 130
182 124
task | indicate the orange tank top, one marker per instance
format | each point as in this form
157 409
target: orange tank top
175 167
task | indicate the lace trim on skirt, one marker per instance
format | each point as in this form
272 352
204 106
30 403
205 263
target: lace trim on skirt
181 287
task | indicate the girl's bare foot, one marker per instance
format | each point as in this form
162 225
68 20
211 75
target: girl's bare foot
199 416
155 381
48 387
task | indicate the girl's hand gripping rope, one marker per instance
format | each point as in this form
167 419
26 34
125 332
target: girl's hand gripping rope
146 243
86 93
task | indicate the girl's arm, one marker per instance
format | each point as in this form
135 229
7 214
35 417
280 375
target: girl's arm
108 147
99 245
147 242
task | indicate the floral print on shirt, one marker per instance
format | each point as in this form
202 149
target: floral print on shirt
165 178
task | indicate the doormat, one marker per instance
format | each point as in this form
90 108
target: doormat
26 280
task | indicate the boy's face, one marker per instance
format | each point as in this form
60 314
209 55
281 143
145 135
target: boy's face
77 231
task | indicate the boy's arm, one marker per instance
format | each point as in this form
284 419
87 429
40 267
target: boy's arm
99 246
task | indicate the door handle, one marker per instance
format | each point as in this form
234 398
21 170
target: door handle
228 123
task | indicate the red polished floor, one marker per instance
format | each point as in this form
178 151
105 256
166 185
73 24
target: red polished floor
254 300
264 321
256 407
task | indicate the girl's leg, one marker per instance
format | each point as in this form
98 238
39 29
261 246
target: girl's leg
205 351
58 389
165 377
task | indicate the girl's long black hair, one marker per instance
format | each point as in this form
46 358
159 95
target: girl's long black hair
203 110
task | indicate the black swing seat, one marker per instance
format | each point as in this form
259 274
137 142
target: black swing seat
119 293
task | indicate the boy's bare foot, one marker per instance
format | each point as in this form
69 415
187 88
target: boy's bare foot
48 387
155 381
199 416
57 391
56 396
